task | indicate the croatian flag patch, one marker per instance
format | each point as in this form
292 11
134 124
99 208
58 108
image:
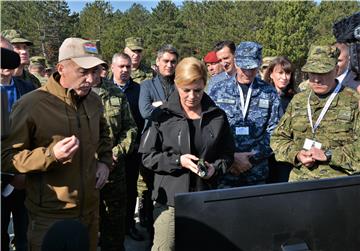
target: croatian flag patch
90 48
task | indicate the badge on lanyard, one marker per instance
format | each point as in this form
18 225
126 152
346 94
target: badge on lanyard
311 143
242 130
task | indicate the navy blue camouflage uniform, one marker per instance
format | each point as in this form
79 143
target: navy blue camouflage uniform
262 118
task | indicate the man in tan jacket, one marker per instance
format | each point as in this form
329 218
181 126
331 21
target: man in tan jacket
60 139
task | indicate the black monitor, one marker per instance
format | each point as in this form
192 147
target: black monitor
321 215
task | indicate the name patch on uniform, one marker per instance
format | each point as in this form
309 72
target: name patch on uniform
344 115
226 101
242 130
115 101
264 103
311 143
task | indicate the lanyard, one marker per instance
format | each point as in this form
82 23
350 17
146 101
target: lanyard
244 105
323 111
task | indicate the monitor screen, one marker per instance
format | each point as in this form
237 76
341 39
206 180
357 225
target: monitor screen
313 215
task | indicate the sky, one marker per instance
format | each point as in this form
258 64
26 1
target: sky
78 5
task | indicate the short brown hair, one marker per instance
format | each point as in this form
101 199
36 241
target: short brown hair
288 67
190 70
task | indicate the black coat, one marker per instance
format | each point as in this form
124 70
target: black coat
168 138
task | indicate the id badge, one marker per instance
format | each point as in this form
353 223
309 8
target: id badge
242 130
311 143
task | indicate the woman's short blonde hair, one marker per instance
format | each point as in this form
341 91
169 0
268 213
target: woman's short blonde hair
189 70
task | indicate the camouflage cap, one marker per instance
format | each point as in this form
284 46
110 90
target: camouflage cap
134 43
248 55
266 61
321 59
15 37
38 61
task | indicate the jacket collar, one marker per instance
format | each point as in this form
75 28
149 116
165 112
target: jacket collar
54 87
173 104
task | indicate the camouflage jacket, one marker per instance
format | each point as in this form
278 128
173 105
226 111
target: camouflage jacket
339 131
216 78
142 73
117 112
42 80
262 118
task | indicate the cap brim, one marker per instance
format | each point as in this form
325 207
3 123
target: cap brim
88 62
21 41
9 59
247 64
135 48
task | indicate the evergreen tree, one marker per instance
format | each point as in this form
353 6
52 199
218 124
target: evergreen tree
288 31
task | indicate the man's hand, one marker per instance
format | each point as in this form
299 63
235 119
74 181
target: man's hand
66 148
241 163
102 174
305 157
317 154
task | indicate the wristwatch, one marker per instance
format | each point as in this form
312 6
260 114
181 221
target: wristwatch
328 155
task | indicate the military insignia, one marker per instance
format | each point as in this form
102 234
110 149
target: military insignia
90 48
115 101
226 101
264 103
344 115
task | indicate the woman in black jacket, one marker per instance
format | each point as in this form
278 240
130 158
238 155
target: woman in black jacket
191 129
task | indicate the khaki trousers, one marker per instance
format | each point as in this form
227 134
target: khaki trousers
38 226
164 227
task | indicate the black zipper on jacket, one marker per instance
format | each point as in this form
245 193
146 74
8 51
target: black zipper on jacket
41 189
82 191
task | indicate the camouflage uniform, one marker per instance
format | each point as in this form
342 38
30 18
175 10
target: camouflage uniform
142 73
261 118
338 131
123 131
303 86
39 62
215 79
15 37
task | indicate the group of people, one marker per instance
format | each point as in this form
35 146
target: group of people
77 143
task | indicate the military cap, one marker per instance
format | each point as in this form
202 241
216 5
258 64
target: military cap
266 62
15 37
211 57
134 43
321 59
83 52
38 61
248 55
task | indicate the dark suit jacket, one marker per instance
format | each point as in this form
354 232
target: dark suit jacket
22 88
350 81
151 91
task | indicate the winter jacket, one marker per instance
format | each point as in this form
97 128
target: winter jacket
169 138
38 121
